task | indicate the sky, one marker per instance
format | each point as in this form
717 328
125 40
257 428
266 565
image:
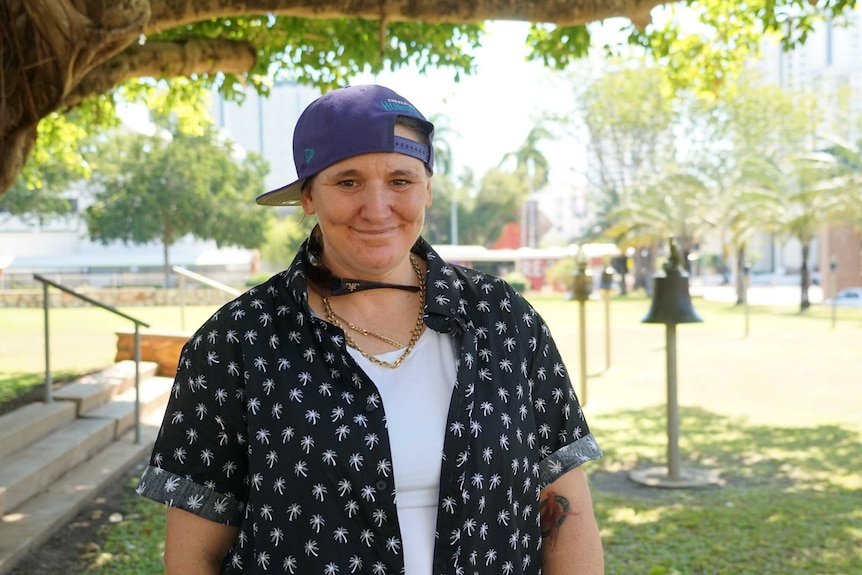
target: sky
490 112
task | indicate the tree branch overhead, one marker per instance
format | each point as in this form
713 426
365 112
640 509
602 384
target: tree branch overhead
172 13
56 53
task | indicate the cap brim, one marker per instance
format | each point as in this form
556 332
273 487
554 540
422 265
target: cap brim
289 195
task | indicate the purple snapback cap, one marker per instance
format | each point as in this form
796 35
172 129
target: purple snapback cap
344 123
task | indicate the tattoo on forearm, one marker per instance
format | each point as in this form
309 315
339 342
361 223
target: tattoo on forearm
553 511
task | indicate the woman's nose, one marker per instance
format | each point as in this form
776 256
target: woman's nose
376 202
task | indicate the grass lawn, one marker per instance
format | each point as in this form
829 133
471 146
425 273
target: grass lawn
777 414
82 339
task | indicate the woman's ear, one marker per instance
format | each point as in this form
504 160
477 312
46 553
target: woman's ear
307 202
428 194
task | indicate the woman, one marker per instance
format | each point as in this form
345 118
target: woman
371 371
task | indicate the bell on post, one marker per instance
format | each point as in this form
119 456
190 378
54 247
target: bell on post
671 302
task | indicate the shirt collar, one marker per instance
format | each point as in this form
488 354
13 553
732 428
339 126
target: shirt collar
442 296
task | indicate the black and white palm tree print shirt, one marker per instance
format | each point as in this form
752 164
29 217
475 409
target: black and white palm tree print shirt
274 429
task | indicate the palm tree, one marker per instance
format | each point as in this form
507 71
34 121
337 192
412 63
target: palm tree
530 160
845 160
676 204
795 198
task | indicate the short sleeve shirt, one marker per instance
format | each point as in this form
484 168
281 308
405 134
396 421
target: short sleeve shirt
273 428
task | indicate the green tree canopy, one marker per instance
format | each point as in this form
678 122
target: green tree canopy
496 203
162 187
63 55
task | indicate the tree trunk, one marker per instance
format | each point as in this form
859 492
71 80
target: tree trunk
804 277
166 258
47 47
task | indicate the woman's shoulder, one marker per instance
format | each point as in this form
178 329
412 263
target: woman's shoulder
478 290
270 298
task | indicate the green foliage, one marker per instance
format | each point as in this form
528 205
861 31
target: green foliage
703 46
518 281
162 187
36 203
328 53
560 275
483 210
497 202
284 235
628 112
135 546
438 218
39 192
443 160
530 163
667 162
257 279
321 53
183 104
558 46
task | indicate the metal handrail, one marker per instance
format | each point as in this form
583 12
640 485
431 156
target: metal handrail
186 273
49 383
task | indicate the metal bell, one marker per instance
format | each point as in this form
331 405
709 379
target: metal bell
671 301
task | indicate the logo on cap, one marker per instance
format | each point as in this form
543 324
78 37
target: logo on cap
399 106
309 153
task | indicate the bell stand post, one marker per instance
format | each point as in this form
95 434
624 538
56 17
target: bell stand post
671 305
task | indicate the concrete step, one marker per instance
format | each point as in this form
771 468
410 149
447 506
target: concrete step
33 523
95 389
155 392
77 445
32 422
32 469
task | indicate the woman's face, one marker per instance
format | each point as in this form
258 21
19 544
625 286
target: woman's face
371 209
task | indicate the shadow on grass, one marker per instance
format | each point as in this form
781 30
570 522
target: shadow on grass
791 501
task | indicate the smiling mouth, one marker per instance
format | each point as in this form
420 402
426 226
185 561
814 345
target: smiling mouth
380 232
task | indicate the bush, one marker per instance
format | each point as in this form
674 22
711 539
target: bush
518 281
257 279
560 275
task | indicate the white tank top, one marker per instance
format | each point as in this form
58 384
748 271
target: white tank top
416 398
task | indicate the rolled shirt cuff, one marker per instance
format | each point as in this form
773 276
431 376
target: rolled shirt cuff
178 491
567 458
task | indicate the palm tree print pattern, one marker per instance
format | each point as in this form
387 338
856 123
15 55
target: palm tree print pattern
273 428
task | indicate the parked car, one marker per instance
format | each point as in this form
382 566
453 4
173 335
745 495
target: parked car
848 297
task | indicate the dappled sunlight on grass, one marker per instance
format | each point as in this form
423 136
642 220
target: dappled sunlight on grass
635 516
790 503
824 454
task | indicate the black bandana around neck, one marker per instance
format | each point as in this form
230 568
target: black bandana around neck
329 284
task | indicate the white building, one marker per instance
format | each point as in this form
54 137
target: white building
555 215
264 125
830 58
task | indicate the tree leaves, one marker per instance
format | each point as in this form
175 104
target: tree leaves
162 187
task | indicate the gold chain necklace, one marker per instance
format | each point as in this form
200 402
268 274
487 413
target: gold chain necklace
331 314
414 337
